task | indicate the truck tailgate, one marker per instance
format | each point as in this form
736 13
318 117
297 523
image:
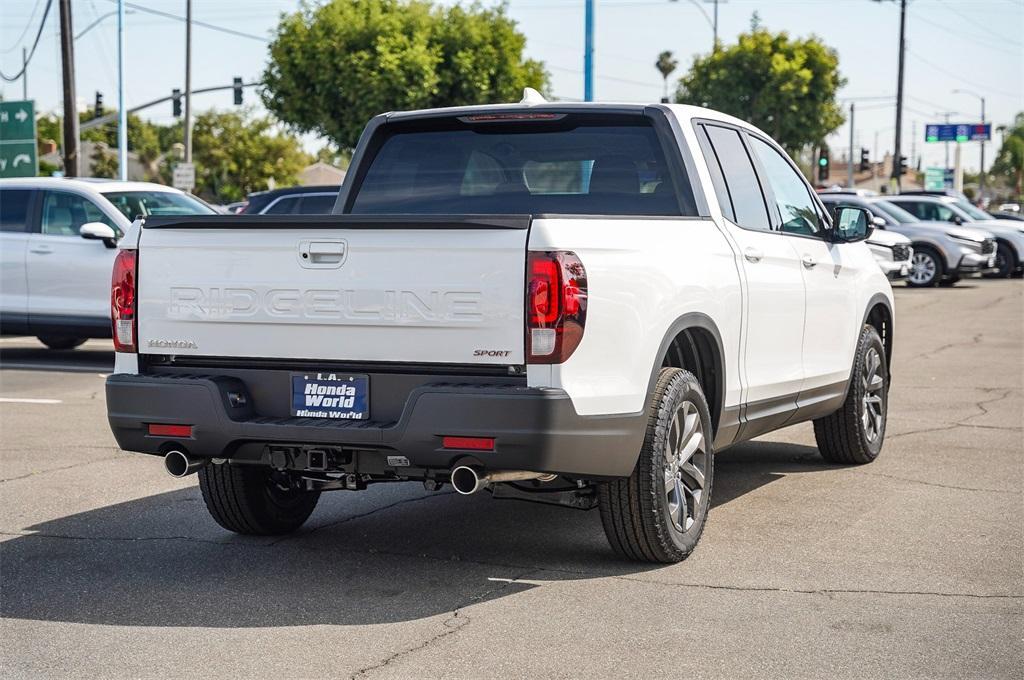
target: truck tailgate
345 288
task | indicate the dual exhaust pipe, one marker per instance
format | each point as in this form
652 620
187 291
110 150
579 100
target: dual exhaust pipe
467 480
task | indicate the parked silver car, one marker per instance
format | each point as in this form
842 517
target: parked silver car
1008 233
943 252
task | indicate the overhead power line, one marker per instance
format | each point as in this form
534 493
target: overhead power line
28 24
35 43
176 17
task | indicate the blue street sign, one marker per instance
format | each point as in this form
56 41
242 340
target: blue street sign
957 132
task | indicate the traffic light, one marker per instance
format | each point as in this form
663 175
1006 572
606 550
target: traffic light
865 160
238 91
97 109
823 165
176 102
901 166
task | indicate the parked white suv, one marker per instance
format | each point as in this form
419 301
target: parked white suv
572 303
58 240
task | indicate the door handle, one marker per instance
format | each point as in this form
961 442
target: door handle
322 254
808 262
41 250
753 254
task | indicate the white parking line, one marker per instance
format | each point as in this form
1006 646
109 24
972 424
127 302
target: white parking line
15 400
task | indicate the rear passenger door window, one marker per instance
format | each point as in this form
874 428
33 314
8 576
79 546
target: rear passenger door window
796 209
745 197
14 210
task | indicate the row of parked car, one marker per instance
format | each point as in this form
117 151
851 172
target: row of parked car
948 238
57 239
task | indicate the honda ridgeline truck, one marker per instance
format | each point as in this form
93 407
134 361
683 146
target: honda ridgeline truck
572 303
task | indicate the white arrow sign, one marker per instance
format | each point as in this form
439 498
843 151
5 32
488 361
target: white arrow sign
21 158
21 115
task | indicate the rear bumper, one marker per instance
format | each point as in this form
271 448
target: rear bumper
534 429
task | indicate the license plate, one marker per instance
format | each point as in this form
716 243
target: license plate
338 396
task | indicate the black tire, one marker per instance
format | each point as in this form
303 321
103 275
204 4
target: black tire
854 434
245 499
1006 261
60 341
922 256
637 512
949 281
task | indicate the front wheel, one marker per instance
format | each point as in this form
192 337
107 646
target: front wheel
1006 262
925 268
60 341
256 500
658 513
854 433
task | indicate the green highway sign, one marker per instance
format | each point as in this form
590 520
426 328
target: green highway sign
18 140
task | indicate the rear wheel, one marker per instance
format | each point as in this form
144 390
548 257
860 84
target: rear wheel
61 341
854 433
252 499
925 268
658 513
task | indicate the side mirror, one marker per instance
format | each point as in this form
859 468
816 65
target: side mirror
851 224
98 231
957 220
878 222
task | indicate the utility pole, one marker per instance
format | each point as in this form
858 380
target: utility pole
67 61
981 170
24 73
899 95
849 163
913 143
122 112
588 51
946 165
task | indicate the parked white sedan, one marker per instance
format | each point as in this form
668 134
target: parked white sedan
57 247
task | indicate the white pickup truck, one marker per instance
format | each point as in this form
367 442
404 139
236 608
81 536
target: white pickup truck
572 303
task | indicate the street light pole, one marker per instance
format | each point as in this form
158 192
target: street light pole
896 166
981 170
188 81
122 113
849 162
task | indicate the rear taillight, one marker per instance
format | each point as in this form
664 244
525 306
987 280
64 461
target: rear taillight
556 306
122 300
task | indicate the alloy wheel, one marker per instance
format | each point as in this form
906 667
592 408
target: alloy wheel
685 467
873 399
922 268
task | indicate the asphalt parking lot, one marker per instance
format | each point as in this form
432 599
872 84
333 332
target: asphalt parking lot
909 567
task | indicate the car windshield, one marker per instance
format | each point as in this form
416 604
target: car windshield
895 212
976 213
562 164
135 204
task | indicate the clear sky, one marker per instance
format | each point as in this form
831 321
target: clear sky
971 44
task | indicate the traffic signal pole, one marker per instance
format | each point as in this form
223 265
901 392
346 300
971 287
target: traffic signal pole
188 81
896 165
849 163
588 51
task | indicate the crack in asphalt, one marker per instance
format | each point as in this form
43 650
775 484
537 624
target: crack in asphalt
975 340
937 484
536 569
963 422
453 624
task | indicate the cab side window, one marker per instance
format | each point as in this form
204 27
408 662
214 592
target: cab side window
63 214
283 206
744 190
797 210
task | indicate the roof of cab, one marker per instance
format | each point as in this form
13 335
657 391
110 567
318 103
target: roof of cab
88 184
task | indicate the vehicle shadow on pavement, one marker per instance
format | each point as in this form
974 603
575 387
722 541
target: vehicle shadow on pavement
43 359
392 553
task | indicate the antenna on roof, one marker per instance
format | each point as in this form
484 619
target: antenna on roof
532 97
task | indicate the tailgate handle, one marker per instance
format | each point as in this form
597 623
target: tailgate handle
322 254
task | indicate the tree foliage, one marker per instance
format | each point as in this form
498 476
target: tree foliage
1010 159
666 64
334 66
237 153
786 87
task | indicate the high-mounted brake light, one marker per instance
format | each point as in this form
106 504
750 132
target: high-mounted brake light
509 117
122 300
556 306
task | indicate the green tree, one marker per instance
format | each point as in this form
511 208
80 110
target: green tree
334 66
1010 159
787 87
666 65
103 161
237 153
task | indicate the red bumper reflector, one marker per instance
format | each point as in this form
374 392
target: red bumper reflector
170 430
474 443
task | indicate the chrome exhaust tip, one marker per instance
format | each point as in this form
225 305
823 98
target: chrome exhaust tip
466 481
180 464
